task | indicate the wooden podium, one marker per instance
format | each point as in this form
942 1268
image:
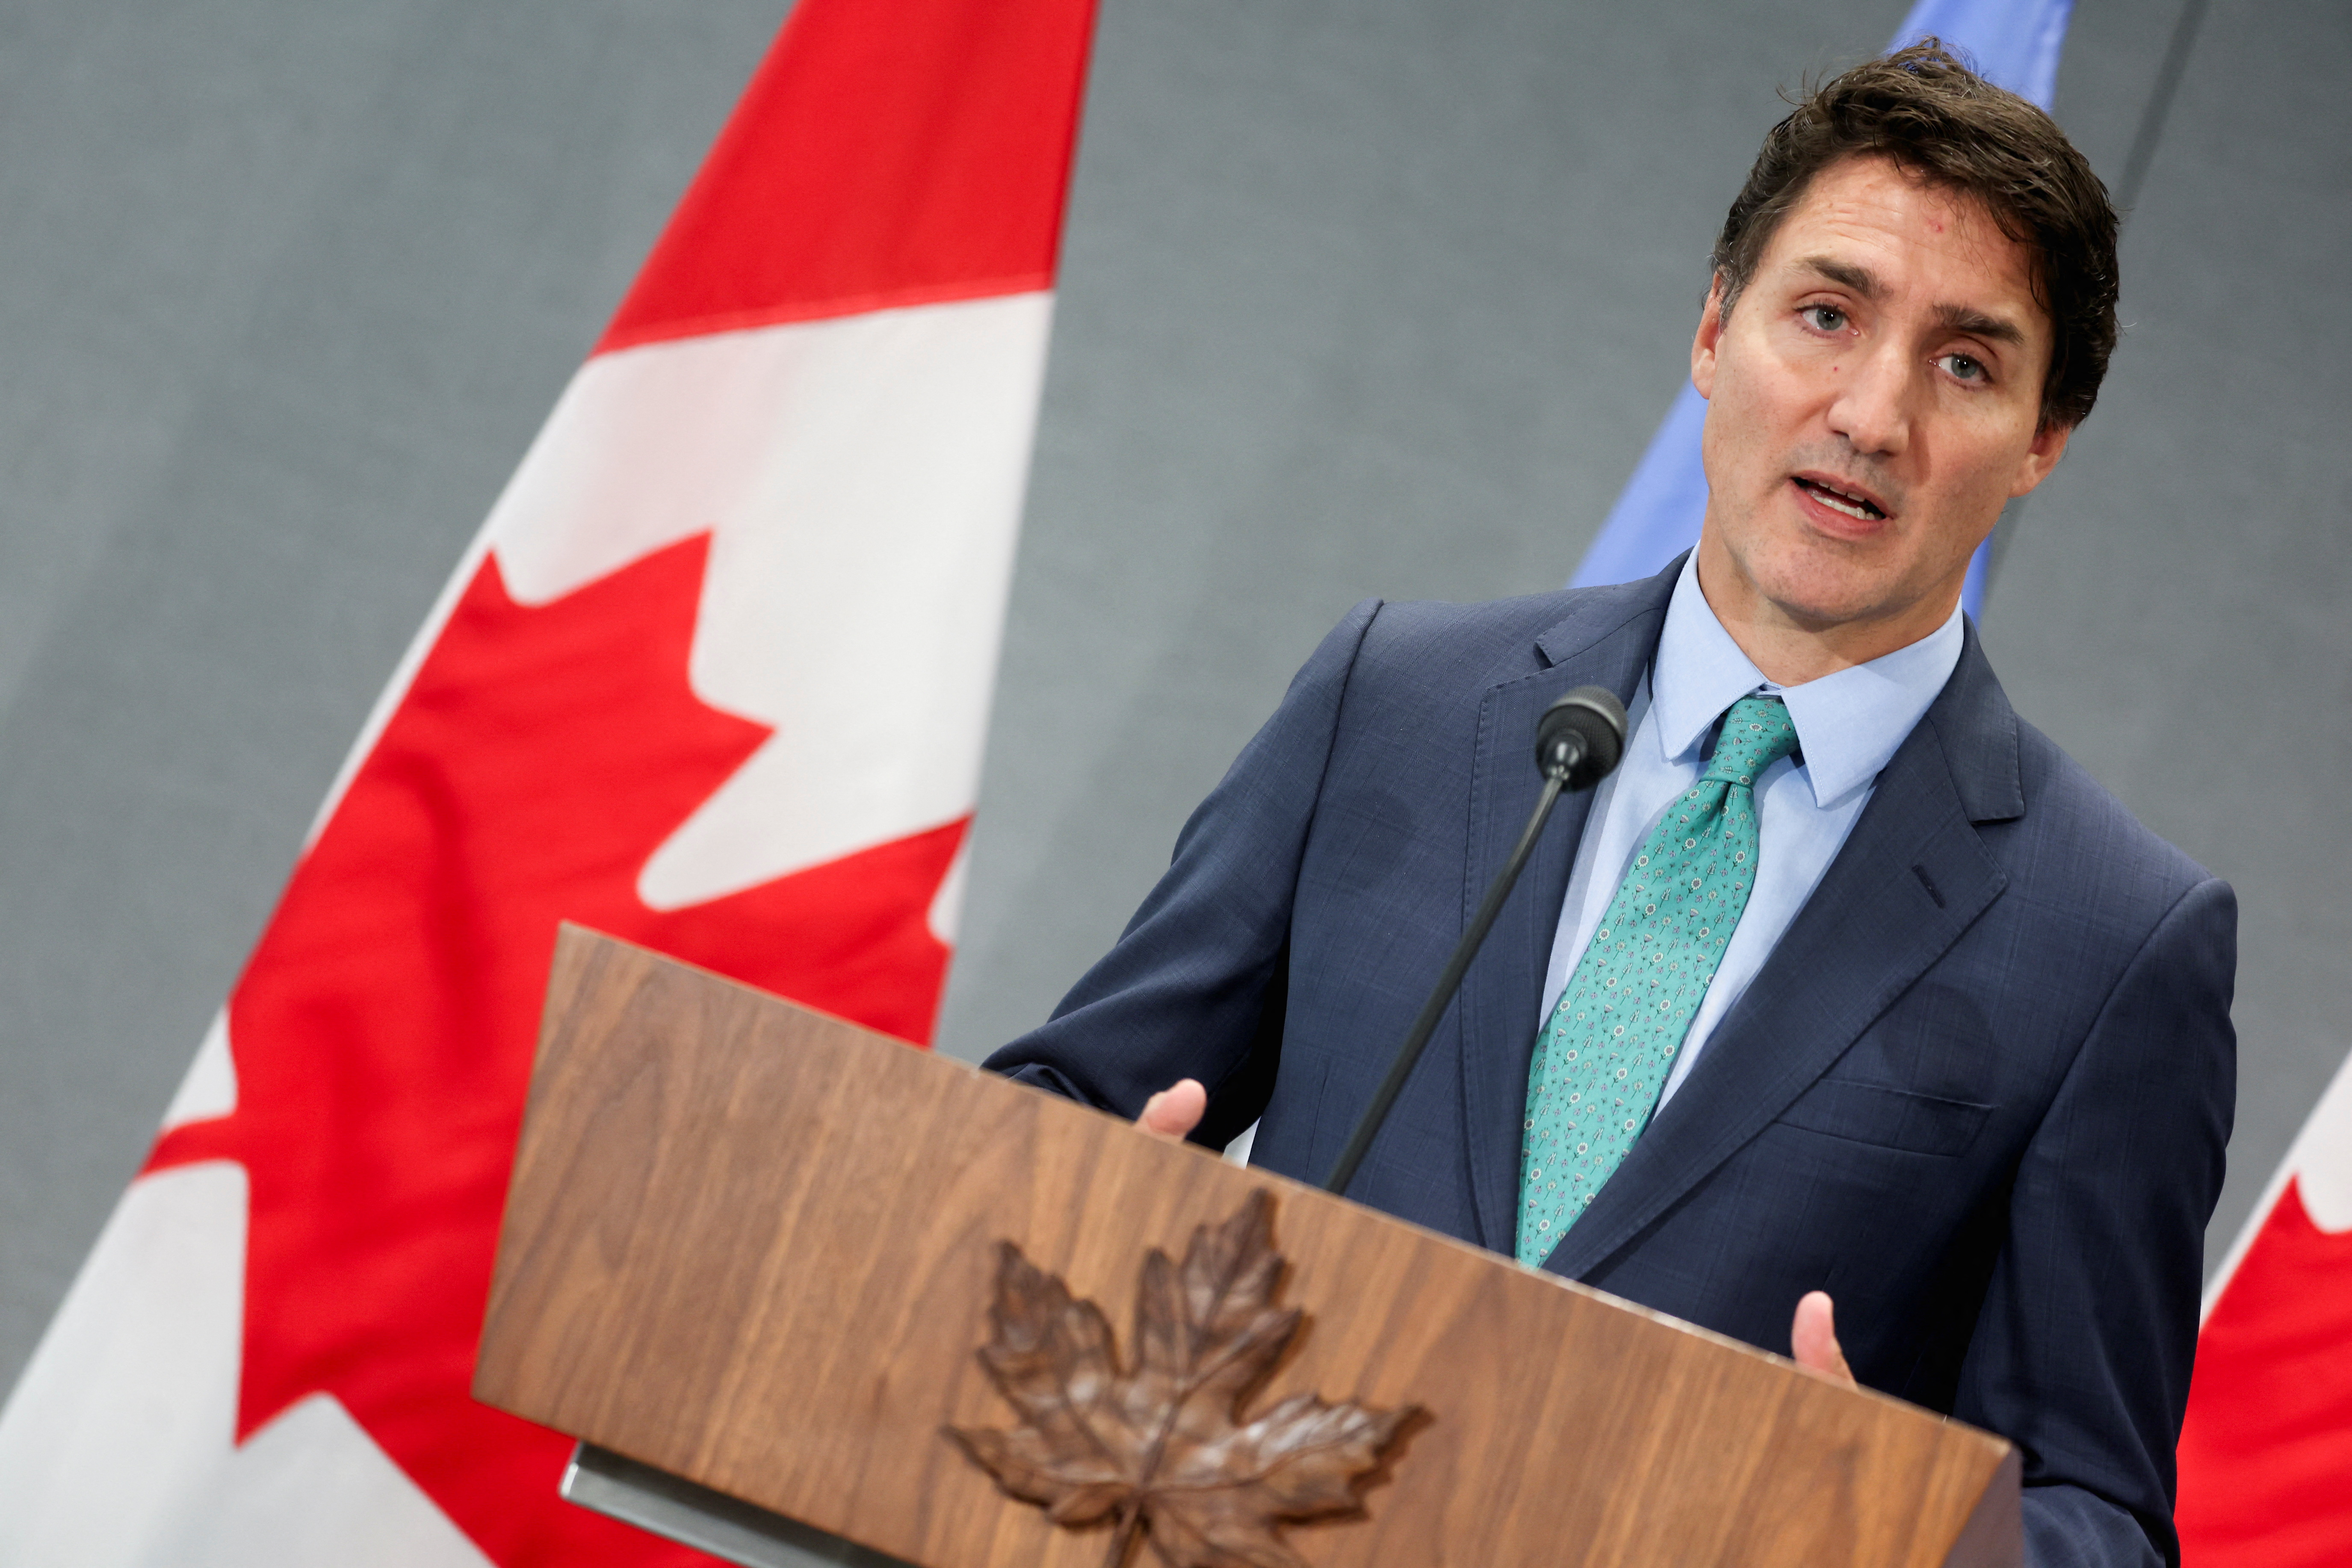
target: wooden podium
751 1251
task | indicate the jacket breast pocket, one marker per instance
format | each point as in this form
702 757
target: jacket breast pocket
1890 1118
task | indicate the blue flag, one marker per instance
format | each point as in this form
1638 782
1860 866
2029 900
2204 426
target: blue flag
2014 43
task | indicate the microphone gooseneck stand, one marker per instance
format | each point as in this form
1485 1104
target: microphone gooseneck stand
1578 741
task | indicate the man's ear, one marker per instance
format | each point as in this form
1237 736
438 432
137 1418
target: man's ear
1710 330
2049 446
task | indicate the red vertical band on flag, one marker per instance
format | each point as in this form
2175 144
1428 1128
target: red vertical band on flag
2266 1451
962 115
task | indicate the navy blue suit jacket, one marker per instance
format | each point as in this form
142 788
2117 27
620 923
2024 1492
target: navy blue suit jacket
1979 1092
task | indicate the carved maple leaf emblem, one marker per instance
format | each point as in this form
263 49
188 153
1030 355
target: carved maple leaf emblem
1162 1445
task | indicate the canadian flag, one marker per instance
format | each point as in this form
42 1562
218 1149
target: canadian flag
713 678
2266 1452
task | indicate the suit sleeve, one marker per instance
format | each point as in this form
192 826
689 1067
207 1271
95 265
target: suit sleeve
1183 993
2083 1348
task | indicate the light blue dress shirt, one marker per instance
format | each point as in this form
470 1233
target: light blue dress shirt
1848 724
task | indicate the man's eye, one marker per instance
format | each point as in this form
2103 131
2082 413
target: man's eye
1824 318
1965 368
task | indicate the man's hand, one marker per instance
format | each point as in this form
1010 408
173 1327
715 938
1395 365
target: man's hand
1812 1337
1177 1110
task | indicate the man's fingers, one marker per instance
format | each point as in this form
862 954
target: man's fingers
1176 1109
1812 1337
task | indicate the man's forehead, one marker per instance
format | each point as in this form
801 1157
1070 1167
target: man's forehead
1868 225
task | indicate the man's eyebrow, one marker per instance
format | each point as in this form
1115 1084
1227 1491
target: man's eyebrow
1844 274
1976 324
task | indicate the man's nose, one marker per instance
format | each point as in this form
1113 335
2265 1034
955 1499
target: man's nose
1872 408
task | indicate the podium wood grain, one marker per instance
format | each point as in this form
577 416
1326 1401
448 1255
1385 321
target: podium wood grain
753 1246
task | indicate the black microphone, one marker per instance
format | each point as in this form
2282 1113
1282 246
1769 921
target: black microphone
1581 737
1580 740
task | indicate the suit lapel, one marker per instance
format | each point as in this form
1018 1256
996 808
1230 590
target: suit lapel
1608 642
1868 931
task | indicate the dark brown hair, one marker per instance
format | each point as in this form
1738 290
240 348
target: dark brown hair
1938 120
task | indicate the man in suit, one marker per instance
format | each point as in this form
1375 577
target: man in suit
1847 984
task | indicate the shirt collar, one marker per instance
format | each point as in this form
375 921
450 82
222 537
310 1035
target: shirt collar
1848 723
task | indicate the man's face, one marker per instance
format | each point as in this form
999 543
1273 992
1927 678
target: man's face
1873 400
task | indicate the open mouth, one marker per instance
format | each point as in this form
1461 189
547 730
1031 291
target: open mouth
1858 507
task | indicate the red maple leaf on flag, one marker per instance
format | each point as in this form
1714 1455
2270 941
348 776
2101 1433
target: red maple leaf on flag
382 1031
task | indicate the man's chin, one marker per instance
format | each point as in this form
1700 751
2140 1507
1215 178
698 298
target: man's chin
1821 601
1821 585
1852 605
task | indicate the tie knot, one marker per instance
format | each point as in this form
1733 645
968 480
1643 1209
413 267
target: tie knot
1757 733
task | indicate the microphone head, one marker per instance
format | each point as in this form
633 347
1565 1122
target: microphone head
1581 737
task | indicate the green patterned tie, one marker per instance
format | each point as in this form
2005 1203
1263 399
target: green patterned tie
1602 1059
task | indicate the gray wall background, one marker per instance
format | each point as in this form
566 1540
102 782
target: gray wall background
1380 297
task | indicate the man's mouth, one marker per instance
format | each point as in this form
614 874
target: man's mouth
1859 507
